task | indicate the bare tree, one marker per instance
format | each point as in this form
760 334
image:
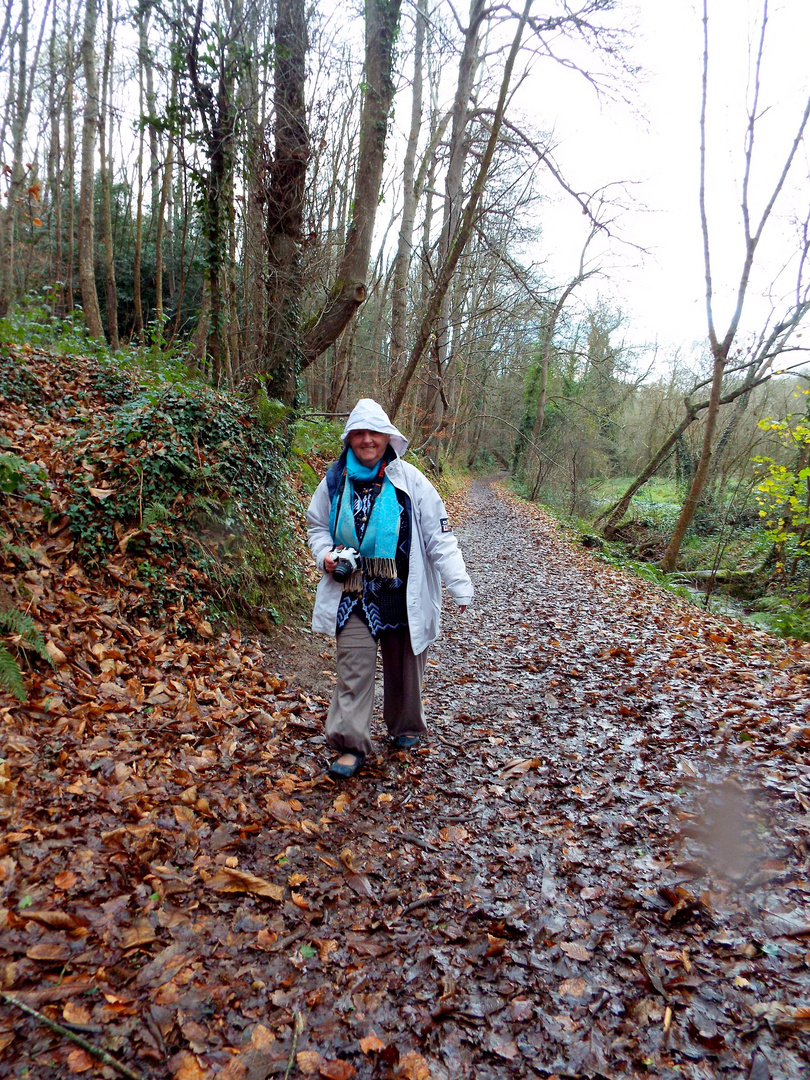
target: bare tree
106 191
465 226
399 294
281 361
87 280
350 287
721 346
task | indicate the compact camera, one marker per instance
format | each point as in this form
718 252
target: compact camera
347 560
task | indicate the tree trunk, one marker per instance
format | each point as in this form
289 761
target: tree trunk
69 188
254 249
160 218
87 281
11 218
282 353
106 194
402 261
702 471
137 258
198 345
349 290
467 222
459 150
55 170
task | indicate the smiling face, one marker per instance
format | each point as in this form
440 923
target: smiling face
368 446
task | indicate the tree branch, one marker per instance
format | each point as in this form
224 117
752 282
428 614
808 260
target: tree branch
96 1051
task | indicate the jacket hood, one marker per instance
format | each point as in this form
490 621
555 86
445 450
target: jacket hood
367 415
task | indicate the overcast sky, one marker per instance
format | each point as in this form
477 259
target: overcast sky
658 148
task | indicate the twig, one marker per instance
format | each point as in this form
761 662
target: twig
298 1027
96 1051
447 742
456 794
423 901
412 838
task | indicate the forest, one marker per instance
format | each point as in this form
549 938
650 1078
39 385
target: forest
221 223
311 204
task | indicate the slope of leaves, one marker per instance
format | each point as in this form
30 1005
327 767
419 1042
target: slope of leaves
595 866
176 493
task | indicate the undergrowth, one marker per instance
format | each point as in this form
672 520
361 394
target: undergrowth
788 616
179 481
187 478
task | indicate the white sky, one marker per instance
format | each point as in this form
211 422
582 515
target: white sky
663 294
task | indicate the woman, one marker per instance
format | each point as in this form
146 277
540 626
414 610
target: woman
376 504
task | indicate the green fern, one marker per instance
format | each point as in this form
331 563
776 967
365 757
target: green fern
14 622
156 514
24 554
10 675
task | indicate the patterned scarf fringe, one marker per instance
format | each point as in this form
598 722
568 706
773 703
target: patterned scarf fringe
371 568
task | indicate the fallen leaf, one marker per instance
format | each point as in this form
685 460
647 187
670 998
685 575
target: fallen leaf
185 1066
508 1050
235 881
337 1070
592 892
787 1016
49 952
576 950
140 933
371 1043
325 948
55 653
80 1061
74 1013
166 965
280 810
521 1009
261 1038
519 767
412 1066
496 945
58 920
309 1061
573 988
360 884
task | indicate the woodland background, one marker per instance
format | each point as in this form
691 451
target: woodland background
220 222
310 204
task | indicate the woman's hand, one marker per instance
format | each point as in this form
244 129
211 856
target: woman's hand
329 563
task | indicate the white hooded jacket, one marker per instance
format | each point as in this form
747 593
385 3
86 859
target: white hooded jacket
434 555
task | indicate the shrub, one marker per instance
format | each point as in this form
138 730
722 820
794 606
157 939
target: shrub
186 480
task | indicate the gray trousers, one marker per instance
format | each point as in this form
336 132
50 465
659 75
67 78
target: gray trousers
349 717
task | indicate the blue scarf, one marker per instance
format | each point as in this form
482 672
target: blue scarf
379 545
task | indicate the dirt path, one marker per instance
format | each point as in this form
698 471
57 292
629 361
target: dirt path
595 866
609 881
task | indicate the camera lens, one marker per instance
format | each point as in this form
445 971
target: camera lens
342 571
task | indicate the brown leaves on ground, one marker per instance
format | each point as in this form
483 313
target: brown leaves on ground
596 865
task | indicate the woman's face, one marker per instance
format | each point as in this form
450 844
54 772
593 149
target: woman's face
368 446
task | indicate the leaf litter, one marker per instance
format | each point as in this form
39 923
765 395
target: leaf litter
596 865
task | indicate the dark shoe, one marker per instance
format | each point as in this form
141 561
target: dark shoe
343 772
406 742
